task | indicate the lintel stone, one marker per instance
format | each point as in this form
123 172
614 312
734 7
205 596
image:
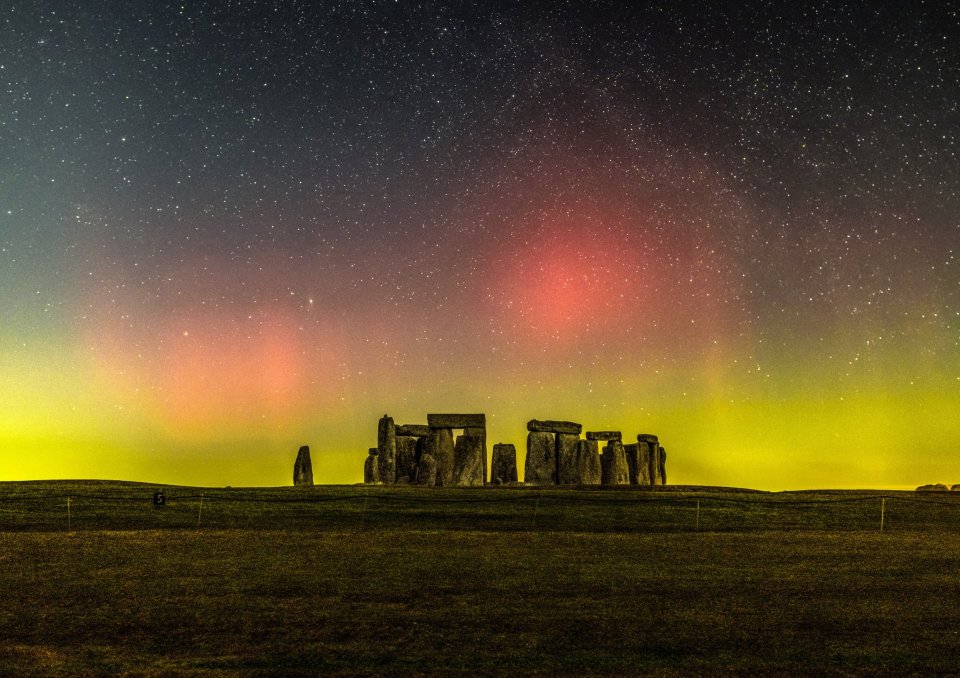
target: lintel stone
456 420
415 430
604 435
549 426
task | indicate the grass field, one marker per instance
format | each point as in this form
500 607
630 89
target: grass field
400 581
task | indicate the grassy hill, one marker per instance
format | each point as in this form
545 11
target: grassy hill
373 581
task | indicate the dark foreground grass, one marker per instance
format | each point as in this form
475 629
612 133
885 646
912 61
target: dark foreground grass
366 598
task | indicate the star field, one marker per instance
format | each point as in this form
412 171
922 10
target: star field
229 229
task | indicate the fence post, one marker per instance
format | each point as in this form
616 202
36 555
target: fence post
883 507
69 525
536 507
200 511
697 528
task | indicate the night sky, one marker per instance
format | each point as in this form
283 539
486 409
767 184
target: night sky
228 229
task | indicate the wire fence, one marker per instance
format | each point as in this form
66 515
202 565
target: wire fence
376 509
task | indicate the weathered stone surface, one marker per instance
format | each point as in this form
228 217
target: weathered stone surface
457 420
482 434
387 449
439 445
568 471
644 462
548 426
939 487
663 465
406 459
588 462
540 467
303 468
646 438
427 470
655 464
371 469
468 461
631 451
415 430
504 469
614 464
604 435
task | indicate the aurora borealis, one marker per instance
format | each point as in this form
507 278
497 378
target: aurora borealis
228 229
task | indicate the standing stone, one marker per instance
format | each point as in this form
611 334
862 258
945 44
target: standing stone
303 468
614 464
427 470
387 450
655 478
654 456
643 463
540 467
663 466
632 452
588 462
620 461
482 434
406 459
371 469
468 461
568 471
439 445
504 468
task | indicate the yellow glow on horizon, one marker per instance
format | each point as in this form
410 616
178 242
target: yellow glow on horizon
60 419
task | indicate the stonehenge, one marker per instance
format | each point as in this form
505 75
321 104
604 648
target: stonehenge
556 455
431 455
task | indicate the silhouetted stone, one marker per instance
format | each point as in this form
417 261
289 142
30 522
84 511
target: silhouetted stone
588 462
955 488
647 438
631 451
644 463
371 469
568 472
303 468
604 435
456 420
482 434
614 464
504 469
387 450
663 465
548 426
415 430
439 445
406 459
468 461
655 478
939 487
540 467
427 470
